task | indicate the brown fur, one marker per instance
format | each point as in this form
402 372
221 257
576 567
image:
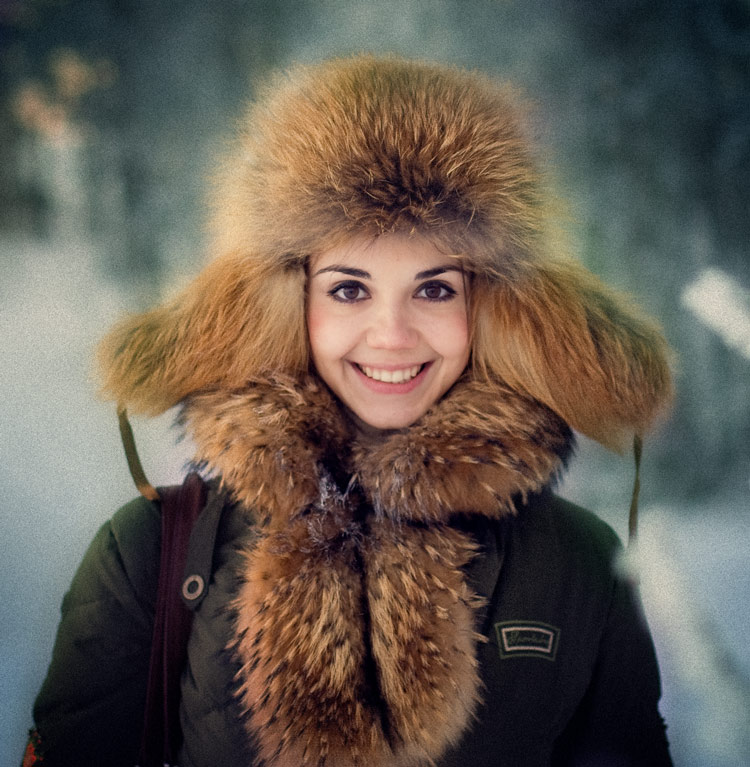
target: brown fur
367 146
575 345
323 582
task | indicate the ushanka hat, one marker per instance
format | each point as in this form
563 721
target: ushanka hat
370 146
380 667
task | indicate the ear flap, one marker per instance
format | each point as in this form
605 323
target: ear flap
236 320
561 336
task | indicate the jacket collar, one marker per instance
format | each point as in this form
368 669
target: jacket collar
354 623
280 443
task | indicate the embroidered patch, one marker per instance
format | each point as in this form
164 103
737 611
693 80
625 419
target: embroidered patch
525 639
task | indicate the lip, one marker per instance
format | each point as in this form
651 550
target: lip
381 387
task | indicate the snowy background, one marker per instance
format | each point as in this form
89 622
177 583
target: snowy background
110 112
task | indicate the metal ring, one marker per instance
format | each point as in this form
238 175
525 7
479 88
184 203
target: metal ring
192 587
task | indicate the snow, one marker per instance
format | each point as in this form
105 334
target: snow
719 301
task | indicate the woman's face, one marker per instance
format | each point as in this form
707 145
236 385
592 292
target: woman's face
388 327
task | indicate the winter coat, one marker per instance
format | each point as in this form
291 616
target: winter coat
425 595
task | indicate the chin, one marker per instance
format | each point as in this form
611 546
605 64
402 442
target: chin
390 420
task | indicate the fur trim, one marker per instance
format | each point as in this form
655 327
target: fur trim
380 667
367 145
275 438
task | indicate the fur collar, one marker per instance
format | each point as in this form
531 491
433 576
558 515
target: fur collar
354 624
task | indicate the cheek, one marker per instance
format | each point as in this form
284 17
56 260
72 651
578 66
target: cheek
452 337
324 332
315 330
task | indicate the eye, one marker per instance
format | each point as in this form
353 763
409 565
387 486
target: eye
348 292
436 291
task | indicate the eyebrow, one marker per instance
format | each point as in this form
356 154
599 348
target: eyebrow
363 275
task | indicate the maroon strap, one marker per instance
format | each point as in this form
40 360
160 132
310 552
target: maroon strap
180 507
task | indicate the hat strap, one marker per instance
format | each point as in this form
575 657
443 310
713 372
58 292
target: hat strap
145 488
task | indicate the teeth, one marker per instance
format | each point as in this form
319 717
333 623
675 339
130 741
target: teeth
391 376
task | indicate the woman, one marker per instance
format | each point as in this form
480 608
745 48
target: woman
381 368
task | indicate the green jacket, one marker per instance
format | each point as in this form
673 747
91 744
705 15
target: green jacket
568 667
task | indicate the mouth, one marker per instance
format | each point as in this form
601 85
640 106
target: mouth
400 376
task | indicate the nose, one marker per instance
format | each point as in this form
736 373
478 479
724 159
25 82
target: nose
391 328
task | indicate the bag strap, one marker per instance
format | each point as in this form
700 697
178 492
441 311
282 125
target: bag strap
161 738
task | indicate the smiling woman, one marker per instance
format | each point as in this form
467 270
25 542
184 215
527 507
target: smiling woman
381 370
387 321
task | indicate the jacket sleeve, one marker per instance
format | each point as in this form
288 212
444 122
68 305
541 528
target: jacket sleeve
618 722
90 708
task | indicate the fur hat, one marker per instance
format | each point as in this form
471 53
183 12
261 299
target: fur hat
369 146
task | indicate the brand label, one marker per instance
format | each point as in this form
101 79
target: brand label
524 639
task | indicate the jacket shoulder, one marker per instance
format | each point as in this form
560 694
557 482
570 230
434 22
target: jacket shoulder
136 531
568 531
123 557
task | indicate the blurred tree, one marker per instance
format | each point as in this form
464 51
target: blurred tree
153 83
665 87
